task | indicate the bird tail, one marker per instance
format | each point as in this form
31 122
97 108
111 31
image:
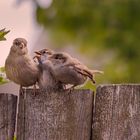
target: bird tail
97 72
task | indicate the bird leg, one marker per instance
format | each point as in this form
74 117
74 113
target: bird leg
34 90
21 90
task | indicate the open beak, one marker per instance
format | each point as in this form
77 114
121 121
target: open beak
38 55
37 52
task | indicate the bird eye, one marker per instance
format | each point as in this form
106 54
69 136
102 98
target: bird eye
42 52
56 57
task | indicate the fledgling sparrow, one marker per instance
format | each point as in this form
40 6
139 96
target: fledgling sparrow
19 66
46 79
67 69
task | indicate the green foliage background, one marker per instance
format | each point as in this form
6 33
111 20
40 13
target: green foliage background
96 27
3 32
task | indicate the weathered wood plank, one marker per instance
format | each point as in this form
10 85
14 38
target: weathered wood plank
55 116
8 104
117 113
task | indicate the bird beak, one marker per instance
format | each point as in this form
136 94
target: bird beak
22 46
37 52
38 55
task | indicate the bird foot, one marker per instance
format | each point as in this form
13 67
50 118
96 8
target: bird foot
21 91
34 91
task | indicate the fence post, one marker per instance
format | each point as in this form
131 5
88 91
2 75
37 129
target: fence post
8 104
117 113
55 115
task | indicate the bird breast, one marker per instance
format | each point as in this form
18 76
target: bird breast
22 70
46 78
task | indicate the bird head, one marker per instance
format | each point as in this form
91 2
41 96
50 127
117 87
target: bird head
43 54
58 57
19 46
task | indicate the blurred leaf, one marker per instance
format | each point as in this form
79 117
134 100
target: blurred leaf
1 79
3 32
14 138
113 24
2 76
2 69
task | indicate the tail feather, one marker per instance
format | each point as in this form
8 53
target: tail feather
97 72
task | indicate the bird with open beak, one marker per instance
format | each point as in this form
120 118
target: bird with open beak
19 66
47 79
66 69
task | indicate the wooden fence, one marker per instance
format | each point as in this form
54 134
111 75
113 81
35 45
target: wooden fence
113 113
8 105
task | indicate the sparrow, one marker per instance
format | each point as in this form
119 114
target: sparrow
19 66
47 79
68 70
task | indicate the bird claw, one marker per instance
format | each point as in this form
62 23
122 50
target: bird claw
34 91
21 90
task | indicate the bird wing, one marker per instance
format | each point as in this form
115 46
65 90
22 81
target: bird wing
85 73
81 68
84 70
96 72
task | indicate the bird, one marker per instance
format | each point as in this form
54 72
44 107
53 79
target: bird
46 79
19 66
67 69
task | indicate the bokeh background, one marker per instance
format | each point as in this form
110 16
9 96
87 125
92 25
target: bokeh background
103 34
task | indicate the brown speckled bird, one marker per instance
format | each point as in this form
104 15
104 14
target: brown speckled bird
47 79
68 70
19 66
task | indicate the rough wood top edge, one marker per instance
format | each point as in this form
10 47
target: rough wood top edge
9 94
123 84
40 90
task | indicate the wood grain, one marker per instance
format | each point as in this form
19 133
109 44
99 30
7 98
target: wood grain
117 113
8 104
55 115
